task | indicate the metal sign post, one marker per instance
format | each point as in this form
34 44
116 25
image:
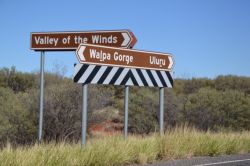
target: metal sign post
84 112
41 96
126 112
161 98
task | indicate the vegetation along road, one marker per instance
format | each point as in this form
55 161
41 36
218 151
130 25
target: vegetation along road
203 117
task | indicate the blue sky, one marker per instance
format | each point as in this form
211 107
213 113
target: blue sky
207 37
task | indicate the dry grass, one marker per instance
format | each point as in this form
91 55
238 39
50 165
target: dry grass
179 143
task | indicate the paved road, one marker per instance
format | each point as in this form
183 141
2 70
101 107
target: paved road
230 160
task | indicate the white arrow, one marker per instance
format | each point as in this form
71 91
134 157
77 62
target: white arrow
126 39
171 62
80 54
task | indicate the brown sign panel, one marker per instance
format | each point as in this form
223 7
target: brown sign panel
103 55
71 40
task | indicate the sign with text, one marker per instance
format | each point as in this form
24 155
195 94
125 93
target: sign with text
110 56
71 40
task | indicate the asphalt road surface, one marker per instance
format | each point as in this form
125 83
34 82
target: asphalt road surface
229 160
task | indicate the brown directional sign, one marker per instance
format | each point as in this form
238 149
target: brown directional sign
71 40
110 56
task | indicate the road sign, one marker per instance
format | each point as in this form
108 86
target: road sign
70 40
95 74
103 55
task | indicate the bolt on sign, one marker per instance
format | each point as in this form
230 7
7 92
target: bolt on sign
59 41
111 56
